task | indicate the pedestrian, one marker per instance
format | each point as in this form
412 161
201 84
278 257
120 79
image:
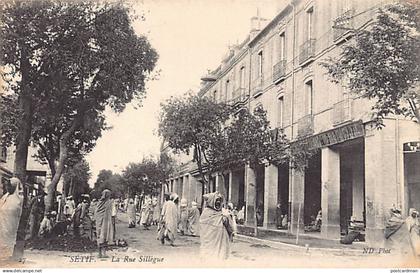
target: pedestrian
114 218
230 209
131 212
241 216
104 228
10 212
80 213
183 216
169 220
46 226
216 228
194 220
146 214
36 214
156 211
69 207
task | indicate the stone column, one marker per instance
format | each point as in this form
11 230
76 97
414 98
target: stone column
297 191
220 185
330 196
251 195
234 188
193 188
380 180
186 188
270 196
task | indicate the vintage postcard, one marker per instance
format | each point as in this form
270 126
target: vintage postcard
196 134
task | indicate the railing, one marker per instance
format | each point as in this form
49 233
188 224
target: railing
279 70
306 125
341 112
307 51
257 86
343 25
240 97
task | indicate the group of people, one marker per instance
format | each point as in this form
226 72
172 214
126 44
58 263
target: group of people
149 212
216 225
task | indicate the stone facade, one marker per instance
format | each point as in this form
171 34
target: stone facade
356 176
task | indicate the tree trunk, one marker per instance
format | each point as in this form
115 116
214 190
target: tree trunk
21 156
49 200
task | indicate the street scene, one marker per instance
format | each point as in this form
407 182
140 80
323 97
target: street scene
261 133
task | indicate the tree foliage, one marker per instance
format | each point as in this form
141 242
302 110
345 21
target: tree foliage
383 62
84 57
108 180
76 179
145 177
194 124
222 137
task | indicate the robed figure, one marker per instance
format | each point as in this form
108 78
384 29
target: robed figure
104 228
216 228
10 212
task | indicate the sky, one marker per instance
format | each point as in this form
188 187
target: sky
190 36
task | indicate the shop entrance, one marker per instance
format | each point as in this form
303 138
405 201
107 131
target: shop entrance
412 175
352 186
312 197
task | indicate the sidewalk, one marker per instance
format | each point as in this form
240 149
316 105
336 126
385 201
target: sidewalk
306 242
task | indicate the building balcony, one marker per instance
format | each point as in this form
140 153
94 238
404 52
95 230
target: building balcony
257 87
306 125
341 112
240 97
343 26
279 71
307 51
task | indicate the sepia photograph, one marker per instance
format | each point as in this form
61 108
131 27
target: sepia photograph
150 134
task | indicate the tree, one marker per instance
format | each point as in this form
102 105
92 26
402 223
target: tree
221 137
383 62
193 123
145 177
76 179
89 59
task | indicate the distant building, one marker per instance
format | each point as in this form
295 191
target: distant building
360 172
36 172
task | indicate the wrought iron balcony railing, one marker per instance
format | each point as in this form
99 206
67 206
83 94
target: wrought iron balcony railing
307 51
240 98
279 71
343 25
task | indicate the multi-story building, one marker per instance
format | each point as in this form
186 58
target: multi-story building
36 172
359 173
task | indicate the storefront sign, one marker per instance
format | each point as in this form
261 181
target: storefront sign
337 135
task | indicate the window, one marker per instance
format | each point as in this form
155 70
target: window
227 89
280 111
215 95
3 154
282 47
242 77
310 22
309 98
260 63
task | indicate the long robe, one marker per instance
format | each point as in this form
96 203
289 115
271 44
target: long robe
131 213
170 219
183 219
214 236
194 221
104 228
146 215
10 212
